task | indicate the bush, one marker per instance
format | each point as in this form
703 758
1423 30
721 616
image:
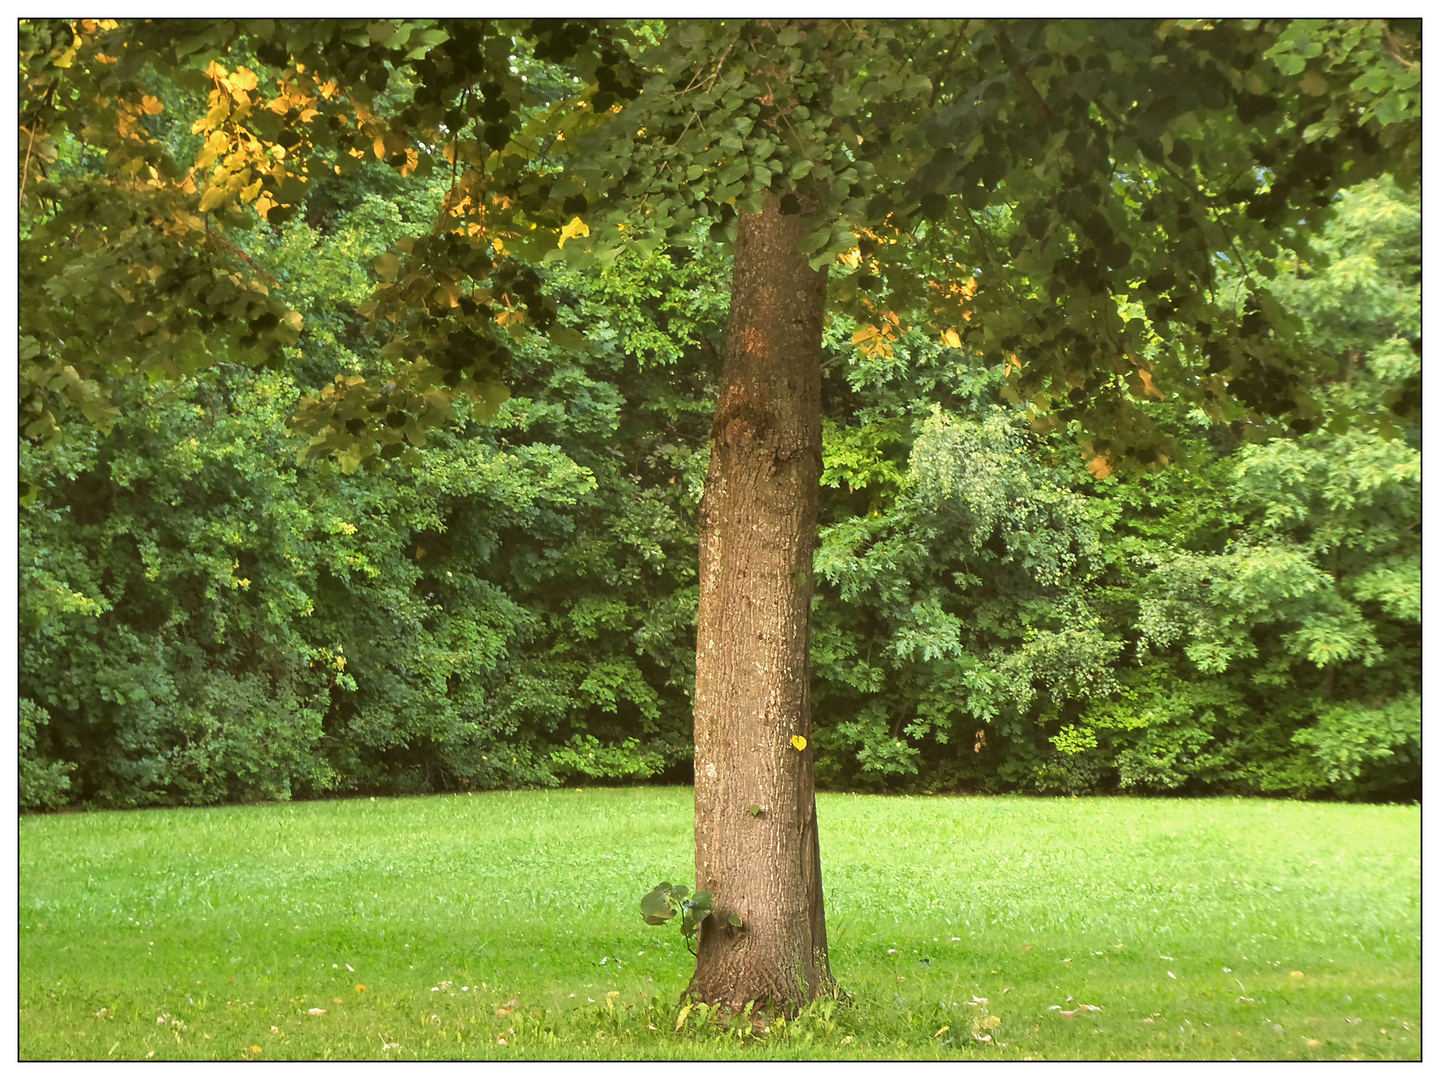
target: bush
44 782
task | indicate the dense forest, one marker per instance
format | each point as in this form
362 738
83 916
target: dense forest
208 614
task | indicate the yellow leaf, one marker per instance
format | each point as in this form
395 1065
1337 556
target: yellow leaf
244 79
574 229
1098 467
1297 974
152 106
680 1019
797 741
1148 382
213 197
951 338
247 194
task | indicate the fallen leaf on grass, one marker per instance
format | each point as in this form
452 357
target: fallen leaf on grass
1069 1014
941 1032
257 1049
1313 1042
317 1012
360 987
1297 974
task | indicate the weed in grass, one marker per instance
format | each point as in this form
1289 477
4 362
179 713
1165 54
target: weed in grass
505 926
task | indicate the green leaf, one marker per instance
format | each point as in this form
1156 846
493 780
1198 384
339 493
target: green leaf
735 920
846 102
656 906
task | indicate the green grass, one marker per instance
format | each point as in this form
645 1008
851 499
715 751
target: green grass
1202 929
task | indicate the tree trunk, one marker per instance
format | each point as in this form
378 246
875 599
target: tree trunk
756 847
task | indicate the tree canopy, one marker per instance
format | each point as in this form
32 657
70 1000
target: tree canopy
1112 195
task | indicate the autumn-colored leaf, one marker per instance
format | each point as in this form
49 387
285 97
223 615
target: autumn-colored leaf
797 741
213 197
574 229
244 79
1148 382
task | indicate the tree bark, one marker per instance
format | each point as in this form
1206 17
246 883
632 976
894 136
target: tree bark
756 846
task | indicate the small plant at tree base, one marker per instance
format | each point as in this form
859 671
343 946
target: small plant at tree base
665 901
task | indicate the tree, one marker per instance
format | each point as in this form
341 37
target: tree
1024 191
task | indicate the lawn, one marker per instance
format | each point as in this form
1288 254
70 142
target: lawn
506 925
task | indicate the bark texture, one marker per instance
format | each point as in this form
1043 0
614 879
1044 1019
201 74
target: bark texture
752 673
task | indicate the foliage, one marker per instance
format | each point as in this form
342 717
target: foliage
586 756
44 782
248 582
665 901
246 627
995 182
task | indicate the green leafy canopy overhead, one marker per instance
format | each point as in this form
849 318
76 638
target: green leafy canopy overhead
1097 206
